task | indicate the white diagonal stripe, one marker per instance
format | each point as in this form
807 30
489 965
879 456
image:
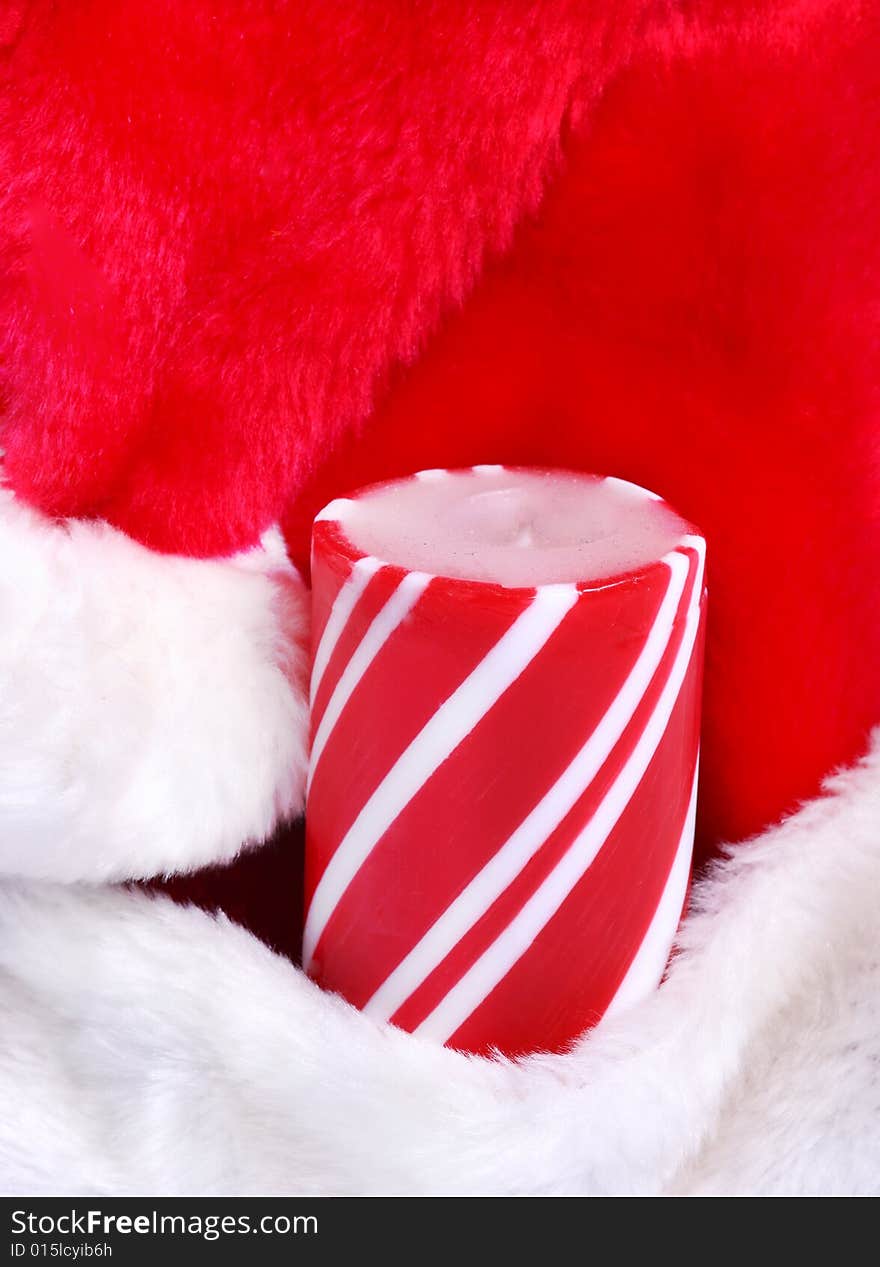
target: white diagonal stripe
646 970
440 735
343 605
644 493
383 625
497 960
504 866
337 509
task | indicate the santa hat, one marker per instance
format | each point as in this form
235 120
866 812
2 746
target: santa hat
247 270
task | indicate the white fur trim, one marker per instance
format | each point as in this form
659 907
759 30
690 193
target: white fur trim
152 709
153 1049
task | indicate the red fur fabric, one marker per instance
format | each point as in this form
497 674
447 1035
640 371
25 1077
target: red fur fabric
255 254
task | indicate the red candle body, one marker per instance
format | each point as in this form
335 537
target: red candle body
500 812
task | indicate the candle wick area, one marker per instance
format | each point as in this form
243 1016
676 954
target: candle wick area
517 528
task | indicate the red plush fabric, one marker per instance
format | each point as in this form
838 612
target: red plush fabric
225 227
695 308
258 254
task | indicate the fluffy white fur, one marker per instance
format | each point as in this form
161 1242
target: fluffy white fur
152 709
152 718
152 1049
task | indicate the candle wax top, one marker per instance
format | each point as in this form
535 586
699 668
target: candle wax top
513 527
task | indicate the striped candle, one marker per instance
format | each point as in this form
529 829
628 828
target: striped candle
503 777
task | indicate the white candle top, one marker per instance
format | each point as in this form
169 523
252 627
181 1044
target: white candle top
517 528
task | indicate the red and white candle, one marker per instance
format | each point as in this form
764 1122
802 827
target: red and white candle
505 732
